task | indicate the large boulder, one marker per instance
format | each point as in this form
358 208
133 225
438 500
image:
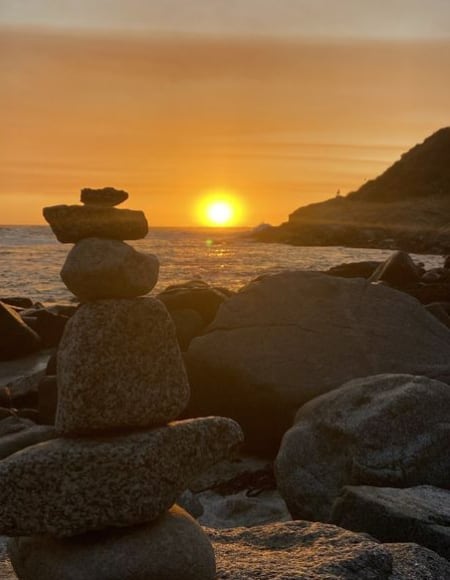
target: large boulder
417 514
287 338
96 268
172 547
119 365
313 551
16 338
386 430
66 487
71 223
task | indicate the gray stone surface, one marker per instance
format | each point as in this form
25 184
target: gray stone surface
106 196
119 365
385 430
96 268
16 338
418 514
413 562
17 433
174 547
71 223
290 337
69 486
302 550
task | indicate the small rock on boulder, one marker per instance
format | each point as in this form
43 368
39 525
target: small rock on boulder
72 223
97 268
386 430
107 196
172 547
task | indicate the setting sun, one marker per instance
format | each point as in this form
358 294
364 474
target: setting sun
219 208
220 212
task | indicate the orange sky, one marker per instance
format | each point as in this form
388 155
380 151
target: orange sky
282 123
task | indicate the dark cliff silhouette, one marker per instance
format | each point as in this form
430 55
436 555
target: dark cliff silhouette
407 207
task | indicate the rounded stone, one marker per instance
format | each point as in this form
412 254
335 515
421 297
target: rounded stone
174 547
69 486
119 365
96 268
388 430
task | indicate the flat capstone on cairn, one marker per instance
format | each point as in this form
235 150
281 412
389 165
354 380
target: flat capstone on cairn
98 502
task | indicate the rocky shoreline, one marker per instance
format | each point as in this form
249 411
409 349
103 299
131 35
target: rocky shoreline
340 382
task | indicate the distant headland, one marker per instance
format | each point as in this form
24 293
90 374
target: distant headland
407 208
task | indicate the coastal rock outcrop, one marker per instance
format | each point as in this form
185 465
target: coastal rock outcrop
287 338
405 208
418 514
385 430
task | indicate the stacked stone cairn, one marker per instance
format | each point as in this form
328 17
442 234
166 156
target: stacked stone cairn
97 502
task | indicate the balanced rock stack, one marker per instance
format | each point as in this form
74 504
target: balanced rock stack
98 502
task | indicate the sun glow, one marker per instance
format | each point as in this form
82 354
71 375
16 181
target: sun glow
219 208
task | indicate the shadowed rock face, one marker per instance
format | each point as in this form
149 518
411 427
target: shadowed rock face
418 514
288 338
16 338
71 223
385 430
173 546
318 552
66 487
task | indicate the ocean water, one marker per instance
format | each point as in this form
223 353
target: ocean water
31 258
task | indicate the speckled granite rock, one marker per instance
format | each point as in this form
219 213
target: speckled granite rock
174 547
97 268
385 430
313 551
119 365
69 486
418 514
106 196
71 223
